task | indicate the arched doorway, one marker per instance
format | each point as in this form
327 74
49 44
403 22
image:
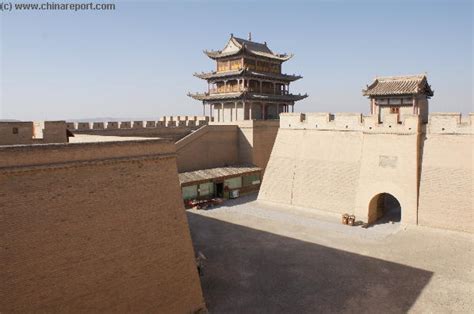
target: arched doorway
383 208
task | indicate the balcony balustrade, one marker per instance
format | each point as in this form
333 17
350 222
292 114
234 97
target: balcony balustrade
237 88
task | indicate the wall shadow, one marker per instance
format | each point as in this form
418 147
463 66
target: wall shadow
252 271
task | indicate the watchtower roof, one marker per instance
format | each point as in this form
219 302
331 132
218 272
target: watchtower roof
237 45
399 85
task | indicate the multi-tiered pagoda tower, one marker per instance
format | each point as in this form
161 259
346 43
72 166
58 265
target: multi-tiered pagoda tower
248 83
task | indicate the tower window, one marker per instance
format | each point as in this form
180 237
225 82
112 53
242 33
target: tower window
15 130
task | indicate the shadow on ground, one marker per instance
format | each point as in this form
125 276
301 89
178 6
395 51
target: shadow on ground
237 201
252 271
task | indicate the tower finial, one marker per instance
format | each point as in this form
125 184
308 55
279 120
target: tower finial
231 35
250 36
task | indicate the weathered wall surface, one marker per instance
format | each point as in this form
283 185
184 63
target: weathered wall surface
340 163
264 135
299 174
94 228
168 127
337 164
12 133
446 185
209 147
221 144
20 133
389 164
256 139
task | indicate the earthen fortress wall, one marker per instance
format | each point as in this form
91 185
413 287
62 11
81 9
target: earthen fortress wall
169 127
446 185
95 227
224 144
338 163
18 133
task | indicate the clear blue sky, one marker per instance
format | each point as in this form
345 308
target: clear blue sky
138 60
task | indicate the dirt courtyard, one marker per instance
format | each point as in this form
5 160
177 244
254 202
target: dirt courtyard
265 258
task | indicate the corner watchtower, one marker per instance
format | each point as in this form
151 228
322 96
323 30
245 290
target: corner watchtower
248 83
401 95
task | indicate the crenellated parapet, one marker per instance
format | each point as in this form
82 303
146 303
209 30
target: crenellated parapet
28 132
325 121
163 122
450 123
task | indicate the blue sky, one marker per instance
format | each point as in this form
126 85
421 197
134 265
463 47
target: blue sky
138 61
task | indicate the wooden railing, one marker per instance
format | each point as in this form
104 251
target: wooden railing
237 88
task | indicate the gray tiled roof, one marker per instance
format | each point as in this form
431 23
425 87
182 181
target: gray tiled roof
206 96
252 47
279 76
216 173
247 95
399 85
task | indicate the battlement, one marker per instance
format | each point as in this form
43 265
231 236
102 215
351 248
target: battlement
163 122
29 132
450 123
325 121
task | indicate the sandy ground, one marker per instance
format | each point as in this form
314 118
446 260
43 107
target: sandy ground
266 258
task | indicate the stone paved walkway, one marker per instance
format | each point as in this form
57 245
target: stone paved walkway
267 258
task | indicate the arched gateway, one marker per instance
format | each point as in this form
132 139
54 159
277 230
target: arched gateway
384 207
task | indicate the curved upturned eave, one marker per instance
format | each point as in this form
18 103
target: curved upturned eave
247 95
222 75
219 54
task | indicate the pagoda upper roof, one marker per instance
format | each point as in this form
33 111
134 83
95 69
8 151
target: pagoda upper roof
237 46
246 95
246 72
399 85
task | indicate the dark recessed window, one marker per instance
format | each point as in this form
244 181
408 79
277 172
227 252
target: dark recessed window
15 130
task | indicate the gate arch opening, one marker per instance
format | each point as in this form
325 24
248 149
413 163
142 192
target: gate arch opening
384 208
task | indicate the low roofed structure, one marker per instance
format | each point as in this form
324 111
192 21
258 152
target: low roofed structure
401 95
216 173
221 182
399 85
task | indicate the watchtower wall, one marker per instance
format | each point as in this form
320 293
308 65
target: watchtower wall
339 162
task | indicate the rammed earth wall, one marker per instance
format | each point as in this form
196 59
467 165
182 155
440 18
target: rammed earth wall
95 227
338 163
